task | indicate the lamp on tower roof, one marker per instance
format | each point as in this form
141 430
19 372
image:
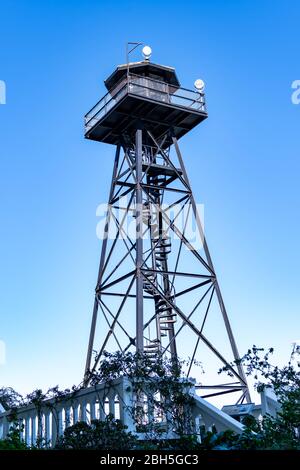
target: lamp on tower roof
147 51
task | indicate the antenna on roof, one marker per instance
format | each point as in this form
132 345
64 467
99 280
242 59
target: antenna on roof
130 50
131 46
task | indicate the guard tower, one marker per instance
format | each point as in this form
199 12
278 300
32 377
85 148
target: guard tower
157 290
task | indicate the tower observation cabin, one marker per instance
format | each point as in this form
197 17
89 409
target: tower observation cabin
148 93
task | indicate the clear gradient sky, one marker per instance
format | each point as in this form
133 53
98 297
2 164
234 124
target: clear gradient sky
243 164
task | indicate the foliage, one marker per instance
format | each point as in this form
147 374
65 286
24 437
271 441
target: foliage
282 431
13 440
9 398
109 434
135 366
158 385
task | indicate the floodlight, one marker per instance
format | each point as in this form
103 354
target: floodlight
199 84
147 51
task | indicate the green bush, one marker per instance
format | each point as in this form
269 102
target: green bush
13 440
110 434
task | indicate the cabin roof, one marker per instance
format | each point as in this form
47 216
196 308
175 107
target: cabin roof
145 68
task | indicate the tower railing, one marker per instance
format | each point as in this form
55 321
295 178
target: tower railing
154 90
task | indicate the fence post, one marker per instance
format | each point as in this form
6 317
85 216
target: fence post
127 404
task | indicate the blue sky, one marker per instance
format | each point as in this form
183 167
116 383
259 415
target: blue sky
243 164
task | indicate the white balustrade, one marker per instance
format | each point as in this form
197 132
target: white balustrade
43 427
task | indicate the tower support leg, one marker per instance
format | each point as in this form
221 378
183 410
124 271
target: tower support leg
139 243
217 287
100 271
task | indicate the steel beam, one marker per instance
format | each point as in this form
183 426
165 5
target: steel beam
100 271
209 260
139 242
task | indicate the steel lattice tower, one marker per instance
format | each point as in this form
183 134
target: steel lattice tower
157 288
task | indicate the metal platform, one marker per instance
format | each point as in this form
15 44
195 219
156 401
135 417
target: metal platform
137 99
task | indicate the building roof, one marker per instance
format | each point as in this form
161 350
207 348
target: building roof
145 68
